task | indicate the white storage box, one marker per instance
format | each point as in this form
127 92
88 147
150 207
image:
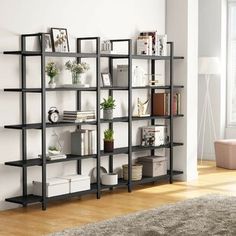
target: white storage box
153 166
54 187
78 182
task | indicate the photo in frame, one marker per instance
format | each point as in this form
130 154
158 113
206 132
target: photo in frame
106 79
60 40
48 42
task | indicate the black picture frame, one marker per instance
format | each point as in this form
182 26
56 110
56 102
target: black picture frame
60 40
106 79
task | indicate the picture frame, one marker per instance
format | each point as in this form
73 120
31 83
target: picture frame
106 79
48 42
60 40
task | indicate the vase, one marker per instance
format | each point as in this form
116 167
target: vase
107 114
52 83
78 79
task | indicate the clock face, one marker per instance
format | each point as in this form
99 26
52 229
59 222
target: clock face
54 117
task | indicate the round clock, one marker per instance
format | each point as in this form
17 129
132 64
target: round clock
53 115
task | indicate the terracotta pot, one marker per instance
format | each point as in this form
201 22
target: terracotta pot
108 146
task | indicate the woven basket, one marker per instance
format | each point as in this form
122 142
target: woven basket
136 172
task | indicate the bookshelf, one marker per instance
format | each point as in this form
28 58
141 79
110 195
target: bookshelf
24 163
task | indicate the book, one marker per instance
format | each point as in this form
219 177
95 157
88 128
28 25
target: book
91 141
153 35
161 45
54 157
161 104
144 45
83 142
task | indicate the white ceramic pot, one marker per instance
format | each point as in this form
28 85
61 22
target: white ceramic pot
109 179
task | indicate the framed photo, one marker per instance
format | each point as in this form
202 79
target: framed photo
106 79
60 40
48 43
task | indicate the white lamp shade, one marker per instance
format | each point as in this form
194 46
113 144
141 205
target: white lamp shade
209 66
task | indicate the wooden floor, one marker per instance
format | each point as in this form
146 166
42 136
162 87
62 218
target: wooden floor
59 215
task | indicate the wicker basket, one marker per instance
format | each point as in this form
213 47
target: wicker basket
136 172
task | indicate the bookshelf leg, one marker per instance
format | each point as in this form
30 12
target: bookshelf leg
98 195
44 206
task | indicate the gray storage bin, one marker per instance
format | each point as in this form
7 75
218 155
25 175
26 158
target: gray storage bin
153 166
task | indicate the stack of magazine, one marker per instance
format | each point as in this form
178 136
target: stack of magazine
79 116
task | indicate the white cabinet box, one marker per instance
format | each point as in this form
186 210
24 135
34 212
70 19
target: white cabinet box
54 187
78 182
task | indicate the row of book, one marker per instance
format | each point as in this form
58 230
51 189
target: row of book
79 116
161 104
83 142
150 43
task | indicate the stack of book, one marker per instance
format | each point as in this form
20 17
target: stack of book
79 116
50 157
161 104
150 43
83 142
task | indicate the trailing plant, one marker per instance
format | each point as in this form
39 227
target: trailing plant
108 103
76 67
51 69
108 135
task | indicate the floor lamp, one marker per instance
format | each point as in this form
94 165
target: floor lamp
207 66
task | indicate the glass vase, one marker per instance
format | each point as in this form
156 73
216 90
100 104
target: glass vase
78 79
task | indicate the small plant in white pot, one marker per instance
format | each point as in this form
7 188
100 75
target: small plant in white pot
108 140
52 71
107 106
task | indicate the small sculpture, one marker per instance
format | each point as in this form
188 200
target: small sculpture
142 107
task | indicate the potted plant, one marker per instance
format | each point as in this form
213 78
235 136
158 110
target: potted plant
108 140
53 150
108 105
52 71
77 71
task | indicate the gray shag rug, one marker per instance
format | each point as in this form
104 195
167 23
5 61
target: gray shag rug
208 215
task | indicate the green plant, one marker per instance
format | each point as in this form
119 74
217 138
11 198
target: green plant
108 103
53 148
76 67
108 135
51 69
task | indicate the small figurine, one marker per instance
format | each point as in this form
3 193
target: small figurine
142 107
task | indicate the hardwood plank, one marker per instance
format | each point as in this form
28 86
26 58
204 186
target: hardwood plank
79 211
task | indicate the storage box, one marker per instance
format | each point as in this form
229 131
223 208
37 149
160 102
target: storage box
154 135
78 182
54 187
153 166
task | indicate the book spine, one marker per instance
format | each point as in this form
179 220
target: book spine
82 144
178 104
91 142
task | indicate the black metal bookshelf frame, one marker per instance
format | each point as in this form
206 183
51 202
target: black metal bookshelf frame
24 163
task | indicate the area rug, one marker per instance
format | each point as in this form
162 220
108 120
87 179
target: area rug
208 215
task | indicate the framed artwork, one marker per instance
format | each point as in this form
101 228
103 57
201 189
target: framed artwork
106 79
60 40
48 42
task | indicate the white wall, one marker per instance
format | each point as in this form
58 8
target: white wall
108 19
182 28
212 43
